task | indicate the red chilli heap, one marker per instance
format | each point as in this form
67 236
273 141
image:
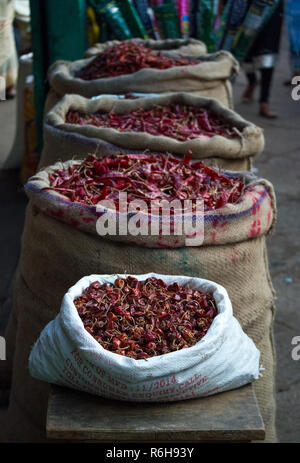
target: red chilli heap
180 122
127 58
147 177
142 319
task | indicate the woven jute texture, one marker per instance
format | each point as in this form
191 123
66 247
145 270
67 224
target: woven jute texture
63 141
56 254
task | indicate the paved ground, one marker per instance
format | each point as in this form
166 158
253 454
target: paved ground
280 163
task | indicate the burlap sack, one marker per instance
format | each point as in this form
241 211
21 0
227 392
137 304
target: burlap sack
84 217
185 47
57 254
210 78
63 140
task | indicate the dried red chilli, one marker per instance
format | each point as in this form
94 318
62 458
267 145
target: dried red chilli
147 177
145 319
175 121
127 58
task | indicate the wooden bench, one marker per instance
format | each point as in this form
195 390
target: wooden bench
230 416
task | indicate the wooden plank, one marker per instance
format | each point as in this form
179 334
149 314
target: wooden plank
229 416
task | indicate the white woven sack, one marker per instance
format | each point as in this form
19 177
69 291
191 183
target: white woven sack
225 358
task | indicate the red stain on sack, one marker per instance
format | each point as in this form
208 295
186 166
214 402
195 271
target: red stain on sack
255 229
255 200
235 256
213 236
164 246
56 212
223 227
255 207
270 212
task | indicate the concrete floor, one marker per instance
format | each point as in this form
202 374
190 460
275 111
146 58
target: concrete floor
280 163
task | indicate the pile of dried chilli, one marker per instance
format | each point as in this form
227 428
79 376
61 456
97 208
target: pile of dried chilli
176 121
147 177
145 319
127 58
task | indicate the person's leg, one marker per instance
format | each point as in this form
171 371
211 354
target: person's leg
252 83
252 79
265 87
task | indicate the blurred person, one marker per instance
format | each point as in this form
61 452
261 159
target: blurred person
292 15
8 53
262 57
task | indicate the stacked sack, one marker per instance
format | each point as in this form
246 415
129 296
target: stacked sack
62 137
60 245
